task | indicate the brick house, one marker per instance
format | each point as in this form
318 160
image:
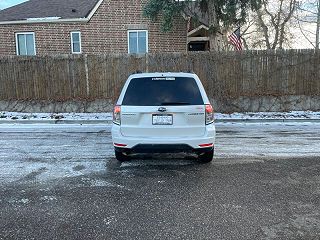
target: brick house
40 27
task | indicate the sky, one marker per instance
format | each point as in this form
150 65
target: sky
8 3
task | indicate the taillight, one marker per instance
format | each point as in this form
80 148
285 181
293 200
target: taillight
117 115
209 114
206 145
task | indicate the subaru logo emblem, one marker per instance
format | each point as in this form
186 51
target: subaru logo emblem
162 109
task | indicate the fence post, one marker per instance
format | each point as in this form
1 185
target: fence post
147 62
87 73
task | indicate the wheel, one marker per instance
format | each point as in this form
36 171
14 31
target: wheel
206 157
121 156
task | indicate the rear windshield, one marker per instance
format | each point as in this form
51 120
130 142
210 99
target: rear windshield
162 91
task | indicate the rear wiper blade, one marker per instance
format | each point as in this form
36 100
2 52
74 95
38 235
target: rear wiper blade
174 103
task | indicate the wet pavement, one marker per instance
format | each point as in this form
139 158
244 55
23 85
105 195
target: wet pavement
63 182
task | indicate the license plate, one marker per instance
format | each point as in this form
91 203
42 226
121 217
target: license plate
162 119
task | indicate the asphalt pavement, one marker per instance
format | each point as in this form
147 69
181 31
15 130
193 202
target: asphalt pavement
63 182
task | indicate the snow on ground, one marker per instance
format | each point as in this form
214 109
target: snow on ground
40 153
54 116
270 115
43 152
299 115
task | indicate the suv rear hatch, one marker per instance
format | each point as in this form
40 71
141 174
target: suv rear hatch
163 107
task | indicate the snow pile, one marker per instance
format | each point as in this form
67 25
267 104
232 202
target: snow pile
294 115
299 115
55 116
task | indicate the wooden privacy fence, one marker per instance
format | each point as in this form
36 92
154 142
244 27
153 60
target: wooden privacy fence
224 74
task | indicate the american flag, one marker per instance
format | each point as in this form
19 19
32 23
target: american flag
235 40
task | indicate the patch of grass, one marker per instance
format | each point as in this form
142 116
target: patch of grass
57 116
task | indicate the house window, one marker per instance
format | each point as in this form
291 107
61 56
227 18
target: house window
25 43
76 42
138 41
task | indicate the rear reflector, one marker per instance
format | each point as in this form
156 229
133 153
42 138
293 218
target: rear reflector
206 145
119 145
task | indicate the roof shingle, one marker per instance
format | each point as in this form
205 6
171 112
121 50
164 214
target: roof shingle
63 9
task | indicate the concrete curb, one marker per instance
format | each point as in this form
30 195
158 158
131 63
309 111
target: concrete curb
108 122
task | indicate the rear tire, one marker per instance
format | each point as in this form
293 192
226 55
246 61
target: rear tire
121 157
206 157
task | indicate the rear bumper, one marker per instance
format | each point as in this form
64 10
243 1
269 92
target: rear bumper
154 144
163 148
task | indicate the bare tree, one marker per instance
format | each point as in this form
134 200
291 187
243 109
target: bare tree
308 19
270 25
251 35
318 26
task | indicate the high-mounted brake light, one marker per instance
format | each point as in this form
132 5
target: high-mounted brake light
209 114
117 115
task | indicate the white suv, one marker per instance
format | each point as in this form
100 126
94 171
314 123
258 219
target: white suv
163 112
